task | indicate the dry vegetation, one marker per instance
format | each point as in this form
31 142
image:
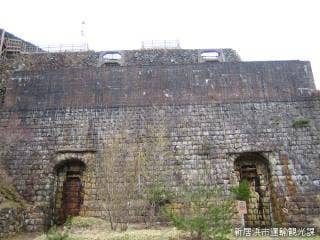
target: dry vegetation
8 194
131 165
96 229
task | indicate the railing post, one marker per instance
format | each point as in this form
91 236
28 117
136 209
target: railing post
2 40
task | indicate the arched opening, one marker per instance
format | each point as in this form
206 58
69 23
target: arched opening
111 56
107 59
254 168
211 56
69 189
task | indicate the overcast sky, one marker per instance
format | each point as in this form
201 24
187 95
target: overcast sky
257 29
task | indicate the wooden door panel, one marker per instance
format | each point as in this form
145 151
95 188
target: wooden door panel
71 197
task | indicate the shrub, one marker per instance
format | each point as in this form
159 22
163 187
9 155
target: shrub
205 214
158 195
54 234
242 192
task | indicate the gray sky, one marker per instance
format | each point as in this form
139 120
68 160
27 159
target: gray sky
257 29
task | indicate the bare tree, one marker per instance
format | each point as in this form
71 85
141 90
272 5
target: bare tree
118 180
133 168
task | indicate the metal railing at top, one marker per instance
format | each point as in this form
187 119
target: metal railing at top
58 48
161 44
13 45
16 45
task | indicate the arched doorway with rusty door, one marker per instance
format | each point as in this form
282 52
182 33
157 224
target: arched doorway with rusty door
69 189
254 168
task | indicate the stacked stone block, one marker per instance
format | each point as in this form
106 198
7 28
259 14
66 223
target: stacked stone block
212 112
11 221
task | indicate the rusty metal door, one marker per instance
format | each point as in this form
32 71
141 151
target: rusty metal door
71 197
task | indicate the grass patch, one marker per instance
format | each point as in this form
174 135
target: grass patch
54 234
85 222
276 238
97 232
89 228
9 204
131 234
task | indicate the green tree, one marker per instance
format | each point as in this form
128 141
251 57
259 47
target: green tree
242 192
203 212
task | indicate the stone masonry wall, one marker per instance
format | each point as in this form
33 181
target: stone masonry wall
11 221
161 85
53 135
62 109
53 61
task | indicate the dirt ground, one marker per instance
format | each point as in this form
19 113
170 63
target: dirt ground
164 234
97 229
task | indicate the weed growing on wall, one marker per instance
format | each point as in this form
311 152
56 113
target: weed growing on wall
242 192
299 123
